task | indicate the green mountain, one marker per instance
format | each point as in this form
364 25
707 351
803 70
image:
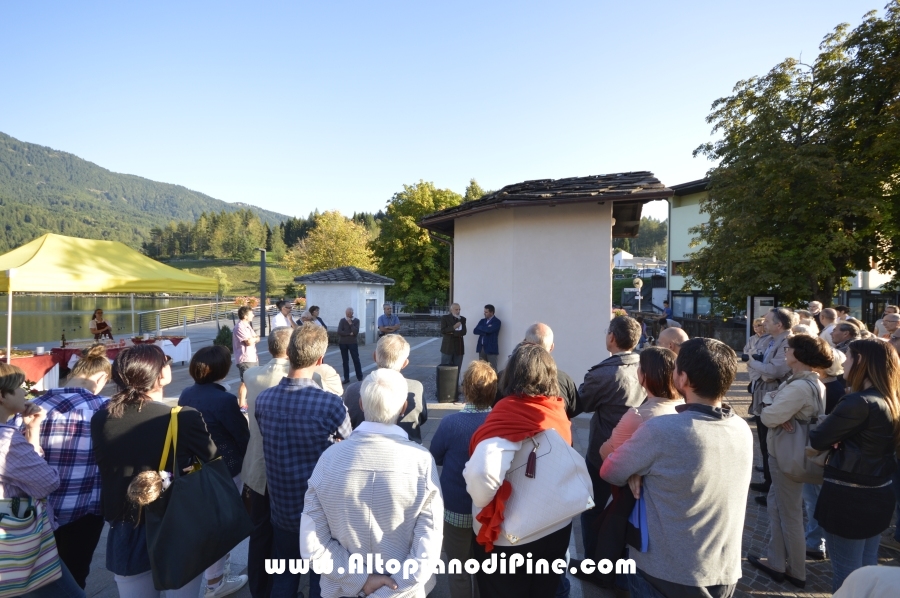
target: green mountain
44 190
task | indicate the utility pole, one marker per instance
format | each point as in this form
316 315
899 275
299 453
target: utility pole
262 291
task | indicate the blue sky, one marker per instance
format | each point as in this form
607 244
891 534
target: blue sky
336 105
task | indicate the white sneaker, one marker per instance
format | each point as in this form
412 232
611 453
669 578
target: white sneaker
228 585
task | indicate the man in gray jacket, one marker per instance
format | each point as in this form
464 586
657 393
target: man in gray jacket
392 353
609 389
693 469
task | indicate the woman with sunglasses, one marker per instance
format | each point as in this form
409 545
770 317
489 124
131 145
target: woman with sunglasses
863 433
128 438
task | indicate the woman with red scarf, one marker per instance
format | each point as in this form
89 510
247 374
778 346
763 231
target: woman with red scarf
531 405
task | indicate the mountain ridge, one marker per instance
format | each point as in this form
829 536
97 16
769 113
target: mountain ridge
48 190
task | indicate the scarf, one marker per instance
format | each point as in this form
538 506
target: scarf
515 419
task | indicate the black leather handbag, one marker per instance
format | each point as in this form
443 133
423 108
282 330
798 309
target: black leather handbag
195 522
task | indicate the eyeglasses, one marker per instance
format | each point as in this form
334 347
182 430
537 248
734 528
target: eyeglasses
168 360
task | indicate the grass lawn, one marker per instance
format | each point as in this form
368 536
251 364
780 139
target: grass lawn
242 276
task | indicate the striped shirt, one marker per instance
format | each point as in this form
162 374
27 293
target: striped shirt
66 440
297 421
376 493
23 473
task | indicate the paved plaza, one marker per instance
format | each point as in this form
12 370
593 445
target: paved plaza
423 361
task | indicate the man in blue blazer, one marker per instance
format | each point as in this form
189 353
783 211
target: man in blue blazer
488 330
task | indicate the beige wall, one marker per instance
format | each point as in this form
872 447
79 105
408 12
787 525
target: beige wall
539 264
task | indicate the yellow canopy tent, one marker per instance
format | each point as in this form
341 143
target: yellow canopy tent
59 264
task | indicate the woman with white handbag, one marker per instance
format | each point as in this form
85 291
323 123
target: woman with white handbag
30 566
801 398
526 481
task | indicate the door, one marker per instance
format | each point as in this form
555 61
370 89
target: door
370 321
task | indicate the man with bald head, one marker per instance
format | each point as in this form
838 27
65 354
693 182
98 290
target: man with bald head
541 334
671 338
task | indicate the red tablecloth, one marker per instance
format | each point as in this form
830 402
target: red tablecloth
63 355
35 367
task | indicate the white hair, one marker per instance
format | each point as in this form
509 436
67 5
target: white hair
382 396
804 329
540 334
391 351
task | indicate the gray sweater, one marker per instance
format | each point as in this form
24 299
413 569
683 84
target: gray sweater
696 468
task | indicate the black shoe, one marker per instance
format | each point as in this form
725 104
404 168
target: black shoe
775 575
761 500
760 487
345 381
800 583
816 555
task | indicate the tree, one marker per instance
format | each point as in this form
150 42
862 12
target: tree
805 192
474 191
223 282
276 247
652 239
407 253
334 242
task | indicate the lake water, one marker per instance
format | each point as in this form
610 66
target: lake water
43 318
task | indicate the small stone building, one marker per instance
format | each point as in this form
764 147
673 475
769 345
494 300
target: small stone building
541 251
333 291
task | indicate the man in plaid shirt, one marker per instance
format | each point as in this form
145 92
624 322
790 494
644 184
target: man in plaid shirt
66 441
297 421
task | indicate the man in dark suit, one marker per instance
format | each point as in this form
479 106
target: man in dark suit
488 329
453 329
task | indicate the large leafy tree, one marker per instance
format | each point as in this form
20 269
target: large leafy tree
805 191
334 242
405 252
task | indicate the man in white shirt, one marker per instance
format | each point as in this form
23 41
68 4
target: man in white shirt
283 317
404 521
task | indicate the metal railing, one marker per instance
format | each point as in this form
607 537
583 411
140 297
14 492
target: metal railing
171 317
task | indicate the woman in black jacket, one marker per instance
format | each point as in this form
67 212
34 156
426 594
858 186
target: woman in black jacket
128 438
857 500
229 430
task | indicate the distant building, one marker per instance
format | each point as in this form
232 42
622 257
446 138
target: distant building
541 251
623 259
333 291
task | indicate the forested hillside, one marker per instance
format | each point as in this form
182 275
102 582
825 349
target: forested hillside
44 190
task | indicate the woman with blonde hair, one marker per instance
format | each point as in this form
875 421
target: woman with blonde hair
66 440
450 449
863 434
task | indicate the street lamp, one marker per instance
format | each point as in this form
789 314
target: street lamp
262 291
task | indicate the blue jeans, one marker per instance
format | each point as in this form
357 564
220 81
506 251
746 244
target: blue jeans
815 535
849 555
64 587
286 585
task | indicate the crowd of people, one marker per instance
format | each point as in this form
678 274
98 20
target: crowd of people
331 470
